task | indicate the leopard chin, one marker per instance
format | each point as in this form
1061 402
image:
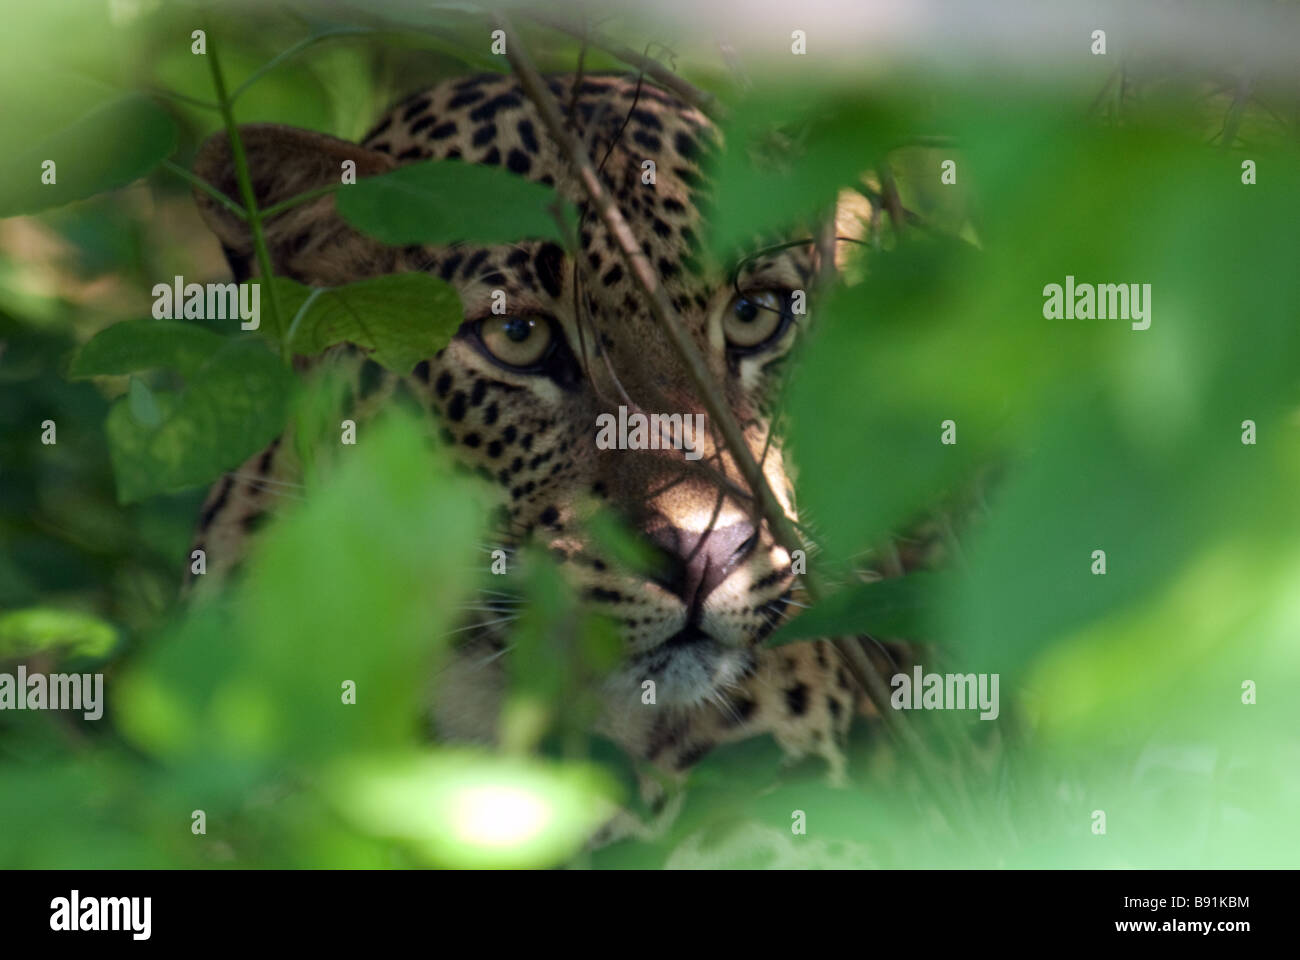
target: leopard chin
687 670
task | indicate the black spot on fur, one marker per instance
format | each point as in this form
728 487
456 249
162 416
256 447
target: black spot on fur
549 262
217 504
484 135
415 109
456 409
478 393
528 136
646 118
796 699
740 712
489 109
647 140
448 268
692 755
474 262
517 162
372 375
442 131
465 99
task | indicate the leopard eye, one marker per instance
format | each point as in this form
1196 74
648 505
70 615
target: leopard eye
755 318
516 341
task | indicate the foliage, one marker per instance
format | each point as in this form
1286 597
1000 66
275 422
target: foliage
1122 692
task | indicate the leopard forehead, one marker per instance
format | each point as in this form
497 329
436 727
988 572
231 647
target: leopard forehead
652 151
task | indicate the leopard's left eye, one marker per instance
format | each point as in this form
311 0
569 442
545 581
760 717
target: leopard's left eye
754 319
521 342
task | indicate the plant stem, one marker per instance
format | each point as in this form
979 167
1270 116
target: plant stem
254 216
293 201
200 184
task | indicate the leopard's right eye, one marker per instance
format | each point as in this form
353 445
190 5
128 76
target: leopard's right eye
754 320
521 342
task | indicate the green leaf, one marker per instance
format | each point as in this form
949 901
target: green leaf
135 345
895 607
108 148
41 629
445 201
872 390
232 406
400 319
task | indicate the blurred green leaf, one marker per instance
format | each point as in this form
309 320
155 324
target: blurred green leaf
107 148
44 629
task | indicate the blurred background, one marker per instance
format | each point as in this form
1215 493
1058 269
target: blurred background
1165 694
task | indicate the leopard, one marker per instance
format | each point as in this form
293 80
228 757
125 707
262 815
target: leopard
518 395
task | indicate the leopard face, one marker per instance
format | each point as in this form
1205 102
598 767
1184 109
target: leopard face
520 393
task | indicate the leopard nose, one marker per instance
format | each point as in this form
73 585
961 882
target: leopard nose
697 563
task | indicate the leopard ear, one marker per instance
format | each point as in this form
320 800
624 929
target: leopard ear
309 242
